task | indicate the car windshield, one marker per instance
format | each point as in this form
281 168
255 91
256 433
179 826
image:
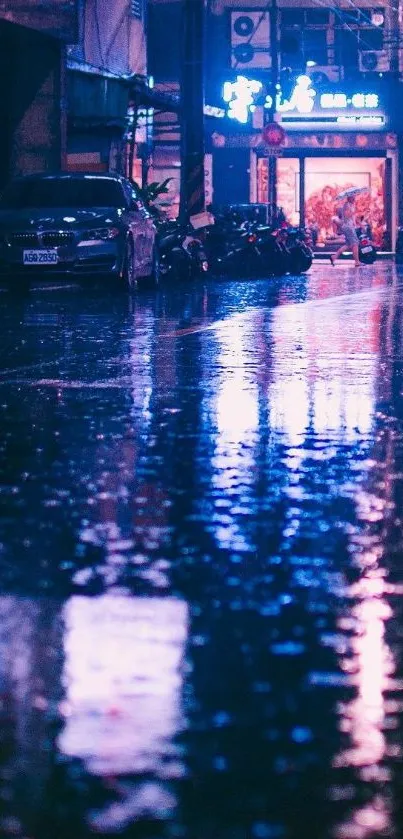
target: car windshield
63 192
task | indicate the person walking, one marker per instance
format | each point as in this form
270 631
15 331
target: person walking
349 232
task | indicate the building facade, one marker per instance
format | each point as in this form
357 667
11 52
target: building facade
32 84
338 76
102 67
339 82
110 97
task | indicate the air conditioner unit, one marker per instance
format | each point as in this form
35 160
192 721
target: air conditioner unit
374 61
324 75
250 40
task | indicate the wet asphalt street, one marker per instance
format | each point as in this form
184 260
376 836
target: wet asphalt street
201 560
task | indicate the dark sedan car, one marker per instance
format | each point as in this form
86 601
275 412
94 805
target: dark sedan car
76 224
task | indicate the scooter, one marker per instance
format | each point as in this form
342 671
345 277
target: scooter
366 248
181 255
274 251
301 256
232 248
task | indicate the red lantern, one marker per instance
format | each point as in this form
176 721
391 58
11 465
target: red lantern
273 135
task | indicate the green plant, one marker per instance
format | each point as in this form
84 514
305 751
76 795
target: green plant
152 191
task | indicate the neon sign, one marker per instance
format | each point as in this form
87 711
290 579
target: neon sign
362 101
243 95
302 98
367 119
240 97
213 111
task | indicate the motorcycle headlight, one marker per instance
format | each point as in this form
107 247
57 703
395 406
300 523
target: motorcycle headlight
100 234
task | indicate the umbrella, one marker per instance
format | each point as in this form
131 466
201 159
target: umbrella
353 190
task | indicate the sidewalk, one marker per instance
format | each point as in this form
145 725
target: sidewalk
324 255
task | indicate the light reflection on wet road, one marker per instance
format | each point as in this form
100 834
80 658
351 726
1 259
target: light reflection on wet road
200 560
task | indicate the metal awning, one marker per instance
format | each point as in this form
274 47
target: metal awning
137 86
150 97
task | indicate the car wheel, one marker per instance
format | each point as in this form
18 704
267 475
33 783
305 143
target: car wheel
128 272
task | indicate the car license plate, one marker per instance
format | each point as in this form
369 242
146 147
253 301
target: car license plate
40 257
367 249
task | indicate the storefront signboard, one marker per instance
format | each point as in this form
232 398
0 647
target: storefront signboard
306 108
312 109
321 141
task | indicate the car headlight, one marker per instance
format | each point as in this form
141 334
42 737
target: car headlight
100 234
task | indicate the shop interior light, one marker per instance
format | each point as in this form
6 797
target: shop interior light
311 63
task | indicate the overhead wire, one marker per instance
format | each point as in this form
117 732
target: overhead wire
339 14
338 11
388 39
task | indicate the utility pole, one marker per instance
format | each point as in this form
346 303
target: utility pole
133 110
395 28
271 112
146 148
192 197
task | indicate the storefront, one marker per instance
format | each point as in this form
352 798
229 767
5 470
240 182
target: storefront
333 141
310 174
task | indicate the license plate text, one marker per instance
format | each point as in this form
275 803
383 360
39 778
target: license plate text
40 257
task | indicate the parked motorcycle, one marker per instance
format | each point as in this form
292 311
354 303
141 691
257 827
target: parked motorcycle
366 248
181 254
231 248
240 243
194 248
300 252
274 256
285 250
234 246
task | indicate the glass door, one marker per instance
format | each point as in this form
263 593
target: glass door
288 180
288 188
326 178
